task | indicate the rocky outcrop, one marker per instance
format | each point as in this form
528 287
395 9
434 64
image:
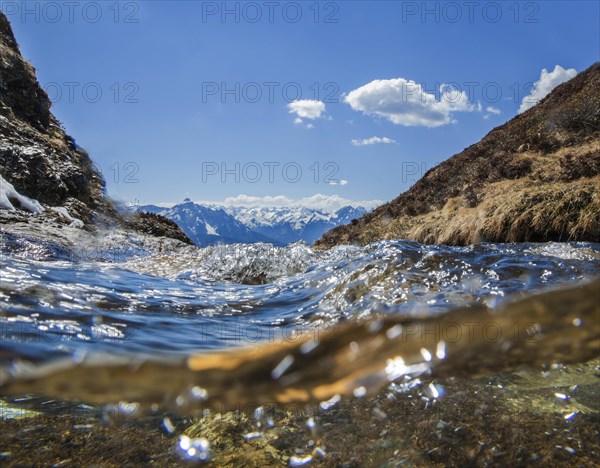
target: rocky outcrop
41 162
36 156
157 225
535 178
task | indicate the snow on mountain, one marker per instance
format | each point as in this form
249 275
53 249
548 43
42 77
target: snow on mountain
211 224
293 224
208 225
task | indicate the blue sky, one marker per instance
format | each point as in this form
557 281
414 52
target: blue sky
162 131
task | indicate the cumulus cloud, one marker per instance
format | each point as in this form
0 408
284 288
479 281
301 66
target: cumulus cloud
306 109
322 202
404 102
491 110
373 141
547 82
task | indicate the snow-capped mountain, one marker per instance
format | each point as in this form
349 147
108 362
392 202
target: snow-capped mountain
211 224
293 224
207 225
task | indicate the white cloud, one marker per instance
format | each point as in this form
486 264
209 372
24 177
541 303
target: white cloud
319 201
405 102
307 109
547 82
373 141
491 110
338 182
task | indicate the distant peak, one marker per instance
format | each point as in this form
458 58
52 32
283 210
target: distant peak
187 200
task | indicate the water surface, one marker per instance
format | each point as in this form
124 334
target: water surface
367 315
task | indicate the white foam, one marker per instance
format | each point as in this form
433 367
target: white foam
8 192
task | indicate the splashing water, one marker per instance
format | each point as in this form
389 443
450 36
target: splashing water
312 325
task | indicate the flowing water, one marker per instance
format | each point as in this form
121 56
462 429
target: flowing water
142 331
127 304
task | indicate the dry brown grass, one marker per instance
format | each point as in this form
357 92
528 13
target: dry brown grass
511 211
535 178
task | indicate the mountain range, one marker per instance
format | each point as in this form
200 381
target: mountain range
212 224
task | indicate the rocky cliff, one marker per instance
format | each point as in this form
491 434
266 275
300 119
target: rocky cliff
40 161
36 156
535 178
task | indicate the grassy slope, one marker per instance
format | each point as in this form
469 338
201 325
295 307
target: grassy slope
535 178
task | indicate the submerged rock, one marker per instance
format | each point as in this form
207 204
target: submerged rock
533 179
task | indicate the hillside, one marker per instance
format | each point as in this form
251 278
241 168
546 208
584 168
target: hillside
42 167
36 156
535 178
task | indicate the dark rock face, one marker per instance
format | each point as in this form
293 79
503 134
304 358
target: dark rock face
530 165
42 162
36 155
20 90
158 226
